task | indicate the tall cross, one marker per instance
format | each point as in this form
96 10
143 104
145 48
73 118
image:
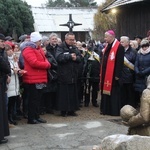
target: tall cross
70 24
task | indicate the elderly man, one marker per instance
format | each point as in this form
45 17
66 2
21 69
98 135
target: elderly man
128 75
68 58
111 69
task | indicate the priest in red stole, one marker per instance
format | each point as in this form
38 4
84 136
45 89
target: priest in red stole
111 69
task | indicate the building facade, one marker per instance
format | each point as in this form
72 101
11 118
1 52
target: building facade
48 20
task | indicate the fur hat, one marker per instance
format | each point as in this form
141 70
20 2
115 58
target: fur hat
35 37
127 112
2 37
144 42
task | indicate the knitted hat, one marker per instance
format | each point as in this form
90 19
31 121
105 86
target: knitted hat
35 37
10 44
2 37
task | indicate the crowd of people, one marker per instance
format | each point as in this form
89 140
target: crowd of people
41 75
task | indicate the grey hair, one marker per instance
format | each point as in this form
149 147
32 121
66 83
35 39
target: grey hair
53 34
126 38
70 33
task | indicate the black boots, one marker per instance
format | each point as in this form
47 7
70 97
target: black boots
11 120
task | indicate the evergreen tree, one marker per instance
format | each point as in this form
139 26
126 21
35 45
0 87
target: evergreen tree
16 18
57 3
83 3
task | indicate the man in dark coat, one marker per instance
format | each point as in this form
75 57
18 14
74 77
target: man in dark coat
4 70
111 69
128 74
68 58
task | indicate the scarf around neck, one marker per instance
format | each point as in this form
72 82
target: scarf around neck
144 52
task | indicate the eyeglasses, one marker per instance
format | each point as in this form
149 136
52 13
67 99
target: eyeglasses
71 39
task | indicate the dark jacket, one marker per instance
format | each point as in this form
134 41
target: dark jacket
5 66
142 70
67 68
128 75
52 74
51 49
92 69
81 67
4 70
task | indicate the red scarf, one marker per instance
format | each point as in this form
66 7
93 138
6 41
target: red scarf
110 68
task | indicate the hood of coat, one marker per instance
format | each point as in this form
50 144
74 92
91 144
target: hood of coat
27 44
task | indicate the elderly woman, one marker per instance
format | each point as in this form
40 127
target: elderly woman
142 68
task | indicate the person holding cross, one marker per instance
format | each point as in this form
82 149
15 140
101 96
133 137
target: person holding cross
111 68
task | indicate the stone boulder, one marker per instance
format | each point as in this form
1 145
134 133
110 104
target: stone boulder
125 142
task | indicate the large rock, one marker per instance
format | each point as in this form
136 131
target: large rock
125 142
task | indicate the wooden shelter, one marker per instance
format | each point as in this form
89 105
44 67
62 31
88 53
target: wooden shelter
132 16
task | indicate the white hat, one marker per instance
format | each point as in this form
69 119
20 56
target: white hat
35 36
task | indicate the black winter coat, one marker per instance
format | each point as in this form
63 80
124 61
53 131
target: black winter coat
51 49
142 70
128 75
67 68
4 70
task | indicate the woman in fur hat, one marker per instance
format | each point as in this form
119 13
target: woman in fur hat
142 68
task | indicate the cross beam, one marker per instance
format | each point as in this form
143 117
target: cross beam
70 24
